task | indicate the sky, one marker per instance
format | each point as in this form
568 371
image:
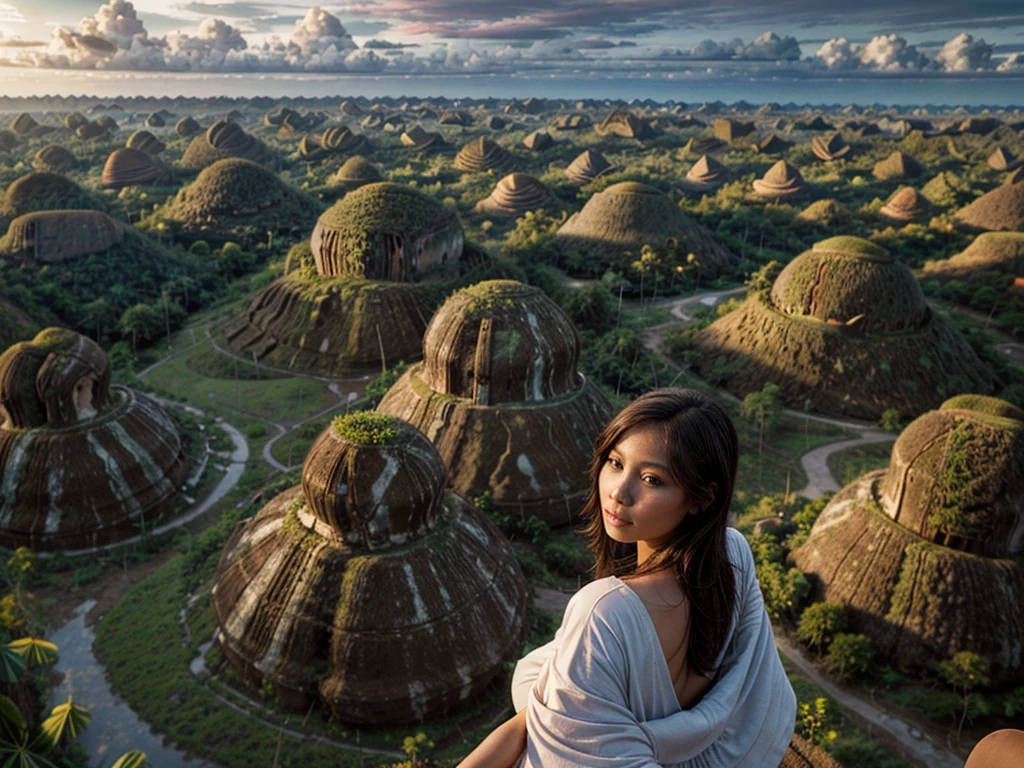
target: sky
502 35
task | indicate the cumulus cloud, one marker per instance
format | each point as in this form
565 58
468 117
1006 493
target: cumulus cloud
964 54
387 45
715 51
883 53
1013 63
769 46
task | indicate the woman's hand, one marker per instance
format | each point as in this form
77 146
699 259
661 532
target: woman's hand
502 748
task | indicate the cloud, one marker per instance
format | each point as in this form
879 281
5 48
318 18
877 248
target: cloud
1013 63
387 45
319 31
883 53
594 43
770 47
964 54
715 51
10 15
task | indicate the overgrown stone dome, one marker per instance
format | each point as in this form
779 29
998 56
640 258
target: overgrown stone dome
847 280
368 587
989 252
483 154
781 180
386 231
45 237
905 204
83 463
628 215
127 167
187 126
955 477
587 166
222 140
144 141
501 341
898 165
53 158
356 172
514 195
41 191
1002 209
706 174
500 396
926 555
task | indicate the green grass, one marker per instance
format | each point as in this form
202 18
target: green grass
846 466
291 449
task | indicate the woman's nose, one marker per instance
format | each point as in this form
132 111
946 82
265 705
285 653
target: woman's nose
620 493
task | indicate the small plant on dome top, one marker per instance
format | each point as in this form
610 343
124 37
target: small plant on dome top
366 427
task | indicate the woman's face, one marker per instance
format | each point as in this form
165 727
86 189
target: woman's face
640 500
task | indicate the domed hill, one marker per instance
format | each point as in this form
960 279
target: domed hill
990 252
187 127
1001 159
351 109
128 167
15 324
8 140
514 195
706 175
341 139
53 236
155 120
702 146
905 204
483 154
366 249
499 394
369 588
83 463
144 141
781 180
107 123
496 123
832 148
587 166
422 141
53 158
538 140
627 216
622 122
91 130
845 327
356 172
222 140
926 555
897 166
74 120
39 191
825 212
456 117
26 127
1001 209
569 123
233 194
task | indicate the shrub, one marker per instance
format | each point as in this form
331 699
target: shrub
256 431
819 623
817 721
890 421
849 655
784 590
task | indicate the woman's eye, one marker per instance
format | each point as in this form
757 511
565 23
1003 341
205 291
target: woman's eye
614 463
651 480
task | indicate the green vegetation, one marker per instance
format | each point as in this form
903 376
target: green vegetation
366 428
846 466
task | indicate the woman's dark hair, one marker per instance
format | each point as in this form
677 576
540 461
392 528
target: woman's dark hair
703 452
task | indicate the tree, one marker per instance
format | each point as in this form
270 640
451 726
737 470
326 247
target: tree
592 308
99 314
763 408
819 623
142 321
890 420
849 655
965 671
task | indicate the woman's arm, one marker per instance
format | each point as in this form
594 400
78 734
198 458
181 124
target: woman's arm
502 748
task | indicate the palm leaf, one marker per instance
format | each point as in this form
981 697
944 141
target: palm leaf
13 729
65 719
23 758
34 650
12 665
134 759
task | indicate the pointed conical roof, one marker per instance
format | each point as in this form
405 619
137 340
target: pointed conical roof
404 599
771 145
420 140
1015 177
144 141
1001 209
482 154
706 174
897 166
514 195
703 146
127 167
501 357
905 204
538 140
187 126
622 122
53 158
781 180
587 166
628 215
831 148
900 546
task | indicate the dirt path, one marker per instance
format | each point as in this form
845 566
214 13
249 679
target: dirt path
815 463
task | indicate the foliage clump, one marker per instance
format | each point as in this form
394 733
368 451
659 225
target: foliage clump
366 428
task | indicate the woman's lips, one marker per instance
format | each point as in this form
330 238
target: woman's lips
612 519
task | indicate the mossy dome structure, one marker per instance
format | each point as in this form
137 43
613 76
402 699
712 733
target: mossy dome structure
144 141
514 195
353 302
844 327
990 252
481 155
782 180
927 554
898 165
127 167
587 166
628 215
369 588
54 158
43 191
222 140
188 126
904 205
231 195
706 175
84 463
1002 209
355 172
500 395
47 237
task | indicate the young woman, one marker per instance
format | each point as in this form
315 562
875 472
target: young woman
667 658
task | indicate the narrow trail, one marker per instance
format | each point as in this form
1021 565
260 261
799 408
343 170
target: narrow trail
820 479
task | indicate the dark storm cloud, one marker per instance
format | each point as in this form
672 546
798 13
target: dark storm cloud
548 19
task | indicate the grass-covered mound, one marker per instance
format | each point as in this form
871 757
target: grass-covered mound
926 554
40 191
54 158
514 195
615 224
233 194
990 252
222 140
845 329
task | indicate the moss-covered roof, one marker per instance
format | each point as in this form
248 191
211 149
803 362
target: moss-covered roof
993 406
40 191
366 428
386 207
53 158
